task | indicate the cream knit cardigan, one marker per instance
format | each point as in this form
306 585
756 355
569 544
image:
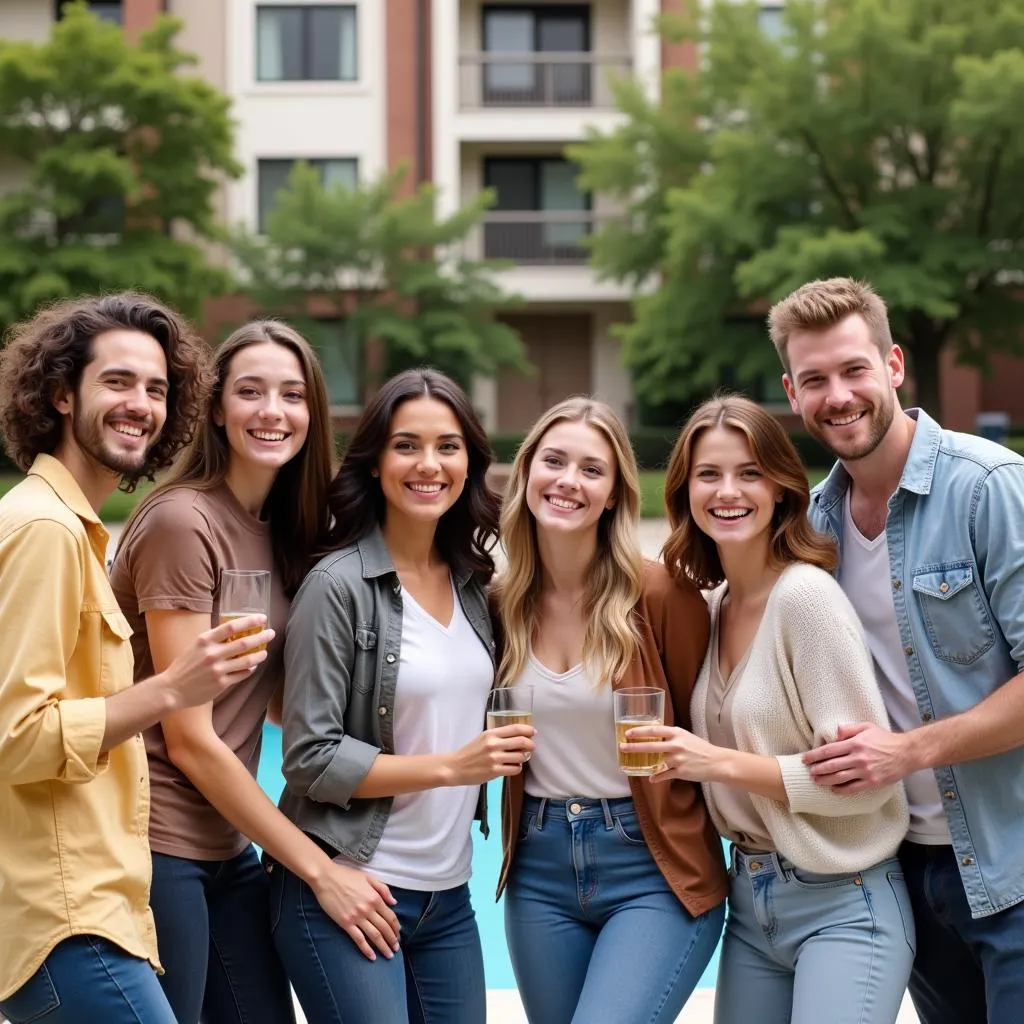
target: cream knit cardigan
808 672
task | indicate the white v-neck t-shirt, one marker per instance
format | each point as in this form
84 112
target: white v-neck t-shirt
444 676
576 754
864 576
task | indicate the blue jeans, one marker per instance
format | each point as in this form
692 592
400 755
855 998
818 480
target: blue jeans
595 933
213 931
86 978
967 969
437 977
805 948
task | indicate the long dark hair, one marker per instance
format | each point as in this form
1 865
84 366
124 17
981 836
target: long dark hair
296 506
468 531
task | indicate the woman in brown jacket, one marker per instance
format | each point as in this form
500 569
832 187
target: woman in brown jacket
615 888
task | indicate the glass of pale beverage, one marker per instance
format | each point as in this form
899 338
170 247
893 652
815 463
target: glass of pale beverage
635 706
510 705
244 592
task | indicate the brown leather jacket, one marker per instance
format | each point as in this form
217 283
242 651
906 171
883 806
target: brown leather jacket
672 620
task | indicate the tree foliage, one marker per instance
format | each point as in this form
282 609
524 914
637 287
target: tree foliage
876 138
110 158
388 265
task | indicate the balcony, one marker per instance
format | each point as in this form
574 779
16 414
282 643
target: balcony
539 238
539 80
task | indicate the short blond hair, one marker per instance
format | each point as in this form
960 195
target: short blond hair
821 304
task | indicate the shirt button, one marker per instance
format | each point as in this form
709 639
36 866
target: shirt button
896 584
397 588
943 587
382 711
575 808
390 659
967 861
908 650
926 717
949 794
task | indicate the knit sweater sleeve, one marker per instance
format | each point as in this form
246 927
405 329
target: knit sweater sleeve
823 648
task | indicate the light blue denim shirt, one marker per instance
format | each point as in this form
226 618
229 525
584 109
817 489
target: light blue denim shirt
956 561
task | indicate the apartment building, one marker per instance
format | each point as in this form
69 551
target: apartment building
469 94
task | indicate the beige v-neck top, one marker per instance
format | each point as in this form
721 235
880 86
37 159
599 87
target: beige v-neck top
743 824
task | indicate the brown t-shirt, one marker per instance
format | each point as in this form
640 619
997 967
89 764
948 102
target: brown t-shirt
171 558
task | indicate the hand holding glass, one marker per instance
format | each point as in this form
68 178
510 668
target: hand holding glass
635 706
510 705
244 592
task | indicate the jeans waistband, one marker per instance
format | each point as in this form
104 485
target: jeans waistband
576 807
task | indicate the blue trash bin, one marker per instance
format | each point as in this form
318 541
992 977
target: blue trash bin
995 426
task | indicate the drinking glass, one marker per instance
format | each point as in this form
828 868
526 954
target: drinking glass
244 592
510 705
638 705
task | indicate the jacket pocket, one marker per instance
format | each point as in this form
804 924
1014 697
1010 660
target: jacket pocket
955 617
364 670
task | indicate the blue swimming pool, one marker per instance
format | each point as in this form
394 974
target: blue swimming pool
486 864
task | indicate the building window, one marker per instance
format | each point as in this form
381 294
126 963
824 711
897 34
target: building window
106 10
272 176
306 43
555 81
770 20
340 349
540 215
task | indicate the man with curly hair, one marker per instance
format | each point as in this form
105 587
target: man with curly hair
95 393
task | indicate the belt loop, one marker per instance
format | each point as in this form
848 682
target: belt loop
609 822
777 863
540 811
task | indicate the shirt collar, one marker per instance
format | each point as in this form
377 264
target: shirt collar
377 561
65 486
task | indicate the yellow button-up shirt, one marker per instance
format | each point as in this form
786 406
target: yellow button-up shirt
74 853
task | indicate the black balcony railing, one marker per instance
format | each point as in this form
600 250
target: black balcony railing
538 237
538 79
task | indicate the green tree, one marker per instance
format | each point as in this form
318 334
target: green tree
876 138
115 157
387 265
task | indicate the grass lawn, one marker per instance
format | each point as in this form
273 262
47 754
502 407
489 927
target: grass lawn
652 488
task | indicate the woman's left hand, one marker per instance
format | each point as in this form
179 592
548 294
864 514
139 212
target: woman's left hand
686 756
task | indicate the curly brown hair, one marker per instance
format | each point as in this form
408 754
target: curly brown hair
48 353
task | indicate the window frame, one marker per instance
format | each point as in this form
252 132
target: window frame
58 13
306 42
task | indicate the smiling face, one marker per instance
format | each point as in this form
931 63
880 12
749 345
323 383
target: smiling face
120 405
842 386
572 477
425 461
731 500
263 408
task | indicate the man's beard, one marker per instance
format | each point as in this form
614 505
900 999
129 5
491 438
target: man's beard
88 435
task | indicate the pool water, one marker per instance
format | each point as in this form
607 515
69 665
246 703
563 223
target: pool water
486 867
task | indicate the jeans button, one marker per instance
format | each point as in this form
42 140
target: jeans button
755 865
575 808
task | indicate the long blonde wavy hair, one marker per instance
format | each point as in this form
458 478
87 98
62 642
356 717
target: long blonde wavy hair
615 579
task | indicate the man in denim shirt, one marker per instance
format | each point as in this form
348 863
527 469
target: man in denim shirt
930 525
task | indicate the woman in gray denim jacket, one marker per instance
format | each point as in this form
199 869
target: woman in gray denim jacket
389 657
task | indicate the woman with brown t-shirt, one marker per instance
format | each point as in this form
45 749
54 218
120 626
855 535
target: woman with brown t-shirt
251 495
615 889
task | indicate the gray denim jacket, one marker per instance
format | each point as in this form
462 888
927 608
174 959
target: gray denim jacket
955 532
341 653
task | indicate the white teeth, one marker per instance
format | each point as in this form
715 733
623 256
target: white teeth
426 488
730 513
565 503
268 435
123 428
842 421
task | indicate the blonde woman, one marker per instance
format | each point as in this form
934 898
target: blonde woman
614 887
819 925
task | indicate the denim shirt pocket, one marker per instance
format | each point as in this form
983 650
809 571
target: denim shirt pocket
955 616
365 669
